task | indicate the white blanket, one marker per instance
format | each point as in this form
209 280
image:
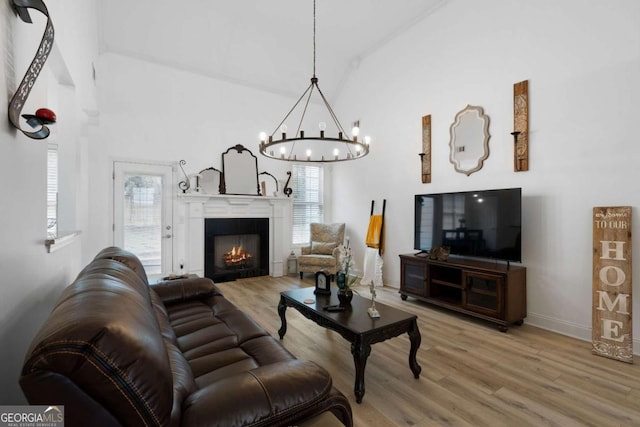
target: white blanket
372 268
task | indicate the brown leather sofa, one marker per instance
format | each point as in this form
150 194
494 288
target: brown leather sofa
118 352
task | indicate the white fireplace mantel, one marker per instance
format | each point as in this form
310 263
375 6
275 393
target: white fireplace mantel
201 206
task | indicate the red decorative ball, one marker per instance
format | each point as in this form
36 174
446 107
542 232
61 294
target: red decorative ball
46 114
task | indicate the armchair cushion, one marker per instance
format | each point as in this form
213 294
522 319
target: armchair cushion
323 248
330 233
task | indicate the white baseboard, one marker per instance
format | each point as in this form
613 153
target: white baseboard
570 329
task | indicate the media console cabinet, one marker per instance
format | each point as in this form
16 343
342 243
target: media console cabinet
489 290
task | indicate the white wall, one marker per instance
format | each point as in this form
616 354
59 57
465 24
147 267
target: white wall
582 60
31 279
153 113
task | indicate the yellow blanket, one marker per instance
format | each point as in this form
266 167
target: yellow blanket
374 233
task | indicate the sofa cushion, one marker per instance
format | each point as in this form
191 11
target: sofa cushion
276 393
172 291
126 258
108 267
219 340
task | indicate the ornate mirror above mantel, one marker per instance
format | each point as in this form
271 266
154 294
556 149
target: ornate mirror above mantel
469 141
239 172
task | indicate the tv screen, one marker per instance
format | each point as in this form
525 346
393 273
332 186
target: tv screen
483 223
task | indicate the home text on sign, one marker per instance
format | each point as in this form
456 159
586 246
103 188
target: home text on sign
612 308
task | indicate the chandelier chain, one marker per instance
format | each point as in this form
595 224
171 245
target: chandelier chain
314 38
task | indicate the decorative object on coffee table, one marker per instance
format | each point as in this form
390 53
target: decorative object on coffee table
323 284
344 280
345 296
372 310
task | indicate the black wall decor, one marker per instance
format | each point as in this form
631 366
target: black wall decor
19 98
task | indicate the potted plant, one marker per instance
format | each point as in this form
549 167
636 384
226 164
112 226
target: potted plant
344 280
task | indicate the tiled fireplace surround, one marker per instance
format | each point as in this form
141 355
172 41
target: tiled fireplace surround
200 206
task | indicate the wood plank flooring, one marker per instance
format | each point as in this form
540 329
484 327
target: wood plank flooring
472 374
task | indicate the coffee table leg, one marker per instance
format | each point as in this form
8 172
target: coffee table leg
360 353
415 338
282 307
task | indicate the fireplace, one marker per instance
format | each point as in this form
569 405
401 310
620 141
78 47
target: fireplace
236 248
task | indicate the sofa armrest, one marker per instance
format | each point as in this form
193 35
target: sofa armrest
275 394
190 288
305 250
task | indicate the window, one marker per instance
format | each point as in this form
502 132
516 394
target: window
52 190
307 200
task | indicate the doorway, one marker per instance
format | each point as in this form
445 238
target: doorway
143 213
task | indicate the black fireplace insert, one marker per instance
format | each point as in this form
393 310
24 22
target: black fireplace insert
236 248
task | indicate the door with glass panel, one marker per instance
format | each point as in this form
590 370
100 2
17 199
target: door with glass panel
143 220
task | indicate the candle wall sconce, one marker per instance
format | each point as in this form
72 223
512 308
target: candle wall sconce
521 126
184 185
287 190
43 116
425 156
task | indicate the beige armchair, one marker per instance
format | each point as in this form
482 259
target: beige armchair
323 251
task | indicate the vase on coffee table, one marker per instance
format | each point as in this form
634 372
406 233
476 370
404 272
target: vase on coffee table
345 296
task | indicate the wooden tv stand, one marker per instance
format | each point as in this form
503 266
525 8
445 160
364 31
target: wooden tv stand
488 290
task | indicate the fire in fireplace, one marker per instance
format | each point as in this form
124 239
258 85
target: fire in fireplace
237 257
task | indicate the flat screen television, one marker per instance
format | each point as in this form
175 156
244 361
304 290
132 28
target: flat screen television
484 224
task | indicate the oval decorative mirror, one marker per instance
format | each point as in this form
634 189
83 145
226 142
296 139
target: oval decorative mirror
469 142
239 172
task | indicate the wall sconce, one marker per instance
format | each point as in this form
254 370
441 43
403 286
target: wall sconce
425 156
521 126
43 116
184 185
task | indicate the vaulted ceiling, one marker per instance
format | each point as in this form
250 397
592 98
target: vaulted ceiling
264 44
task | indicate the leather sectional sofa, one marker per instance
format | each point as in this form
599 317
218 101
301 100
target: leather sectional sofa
118 352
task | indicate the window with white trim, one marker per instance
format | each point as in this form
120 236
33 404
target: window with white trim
52 190
308 200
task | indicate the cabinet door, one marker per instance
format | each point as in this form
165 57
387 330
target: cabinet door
484 293
414 278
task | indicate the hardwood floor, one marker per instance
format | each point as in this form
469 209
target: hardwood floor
472 374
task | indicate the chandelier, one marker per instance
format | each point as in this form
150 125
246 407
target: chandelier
320 147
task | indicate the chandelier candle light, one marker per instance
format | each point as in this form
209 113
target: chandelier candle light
322 148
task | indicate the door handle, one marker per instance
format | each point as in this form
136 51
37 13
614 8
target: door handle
168 236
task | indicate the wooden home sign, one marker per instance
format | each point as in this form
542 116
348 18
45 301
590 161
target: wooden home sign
612 307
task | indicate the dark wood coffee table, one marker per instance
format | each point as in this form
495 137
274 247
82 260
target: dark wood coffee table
355 325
